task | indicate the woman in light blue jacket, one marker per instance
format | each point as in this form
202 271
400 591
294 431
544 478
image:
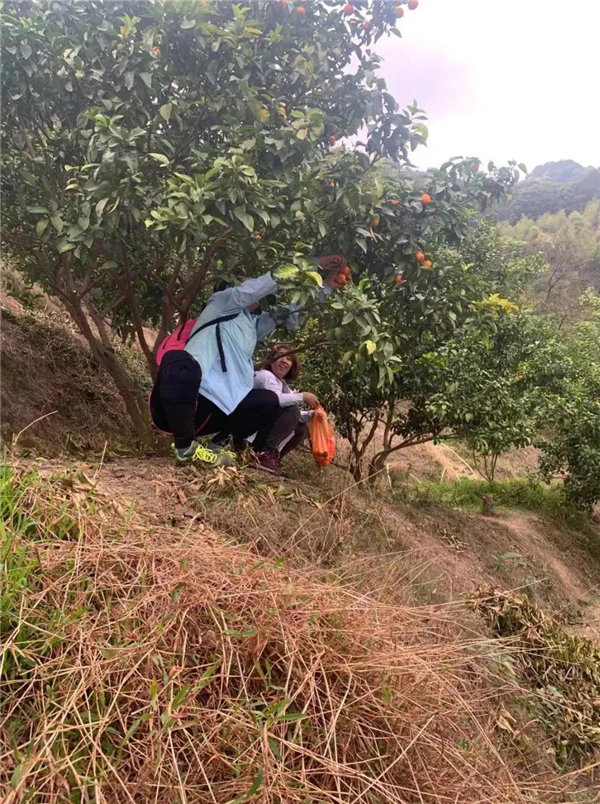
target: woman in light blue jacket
208 387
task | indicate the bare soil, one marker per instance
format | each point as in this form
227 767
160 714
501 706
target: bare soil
53 393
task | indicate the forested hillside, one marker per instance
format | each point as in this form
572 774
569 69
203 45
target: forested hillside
570 245
550 188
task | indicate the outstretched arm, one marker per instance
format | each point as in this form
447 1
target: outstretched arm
292 317
241 296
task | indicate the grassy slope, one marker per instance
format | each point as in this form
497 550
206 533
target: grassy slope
226 637
145 660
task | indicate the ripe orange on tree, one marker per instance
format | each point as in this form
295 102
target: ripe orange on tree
341 278
426 198
420 256
399 278
283 3
367 26
348 9
300 10
394 202
412 4
156 51
427 264
399 11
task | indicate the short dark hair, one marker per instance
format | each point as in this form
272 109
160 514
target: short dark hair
283 350
221 284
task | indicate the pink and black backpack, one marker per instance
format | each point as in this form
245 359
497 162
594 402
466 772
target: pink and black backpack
179 339
176 340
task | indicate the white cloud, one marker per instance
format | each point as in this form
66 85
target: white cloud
501 80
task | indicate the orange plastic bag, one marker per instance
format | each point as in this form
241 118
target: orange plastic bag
322 438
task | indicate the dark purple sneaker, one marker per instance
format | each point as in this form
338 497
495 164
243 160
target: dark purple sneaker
269 461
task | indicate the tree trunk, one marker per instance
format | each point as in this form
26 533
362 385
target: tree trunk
376 465
126 386
355 468
355 464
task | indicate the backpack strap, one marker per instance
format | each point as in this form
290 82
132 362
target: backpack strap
216 322
180 332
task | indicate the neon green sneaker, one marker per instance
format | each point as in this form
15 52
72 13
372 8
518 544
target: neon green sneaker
204 456
226 456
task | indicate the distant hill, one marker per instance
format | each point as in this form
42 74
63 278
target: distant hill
551 187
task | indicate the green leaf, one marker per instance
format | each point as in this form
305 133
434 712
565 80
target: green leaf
371 347
133 728
26 50
302 133
290 717
17 775
57 222
147 79
100 206
38 210
286 272
254 787
187 24
66 246
165 110
164 160
41 226
241 214
180 696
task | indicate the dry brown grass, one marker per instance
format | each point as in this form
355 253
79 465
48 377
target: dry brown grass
161 665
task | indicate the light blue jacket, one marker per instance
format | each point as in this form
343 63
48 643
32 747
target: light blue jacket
239 337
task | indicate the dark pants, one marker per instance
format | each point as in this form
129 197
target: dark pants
177 408
300 431
288 422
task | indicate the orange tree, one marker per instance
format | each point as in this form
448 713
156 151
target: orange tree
568 406
440 353
150 146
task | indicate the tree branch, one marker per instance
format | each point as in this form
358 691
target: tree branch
185 298
98 321
134 309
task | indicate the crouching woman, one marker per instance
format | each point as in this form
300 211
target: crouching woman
280 367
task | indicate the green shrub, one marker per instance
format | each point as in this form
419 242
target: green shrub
526 494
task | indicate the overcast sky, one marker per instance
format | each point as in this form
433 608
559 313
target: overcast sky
501 80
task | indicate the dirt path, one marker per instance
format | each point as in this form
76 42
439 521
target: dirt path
439 462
